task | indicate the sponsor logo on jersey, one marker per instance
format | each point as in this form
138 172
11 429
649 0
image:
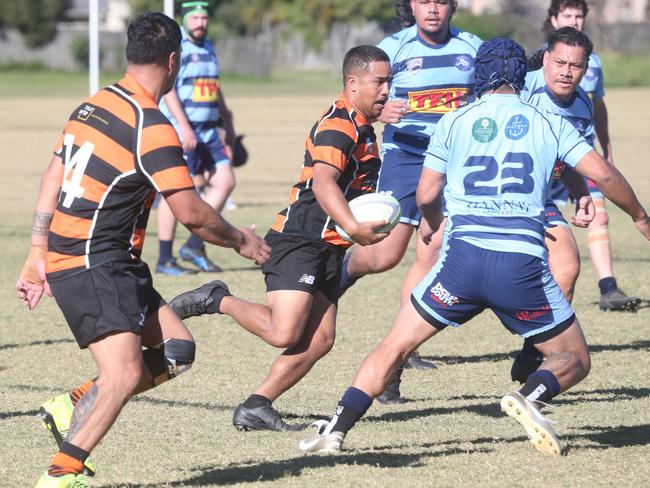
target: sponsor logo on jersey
442 296
464 62
558 169
517 127
85 112
484 129
307 279
438 101
414 65
205 90
528 315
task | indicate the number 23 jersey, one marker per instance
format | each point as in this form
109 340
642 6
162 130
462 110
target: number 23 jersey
498 156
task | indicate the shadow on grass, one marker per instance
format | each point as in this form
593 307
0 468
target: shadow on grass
44 342
10 415
613 437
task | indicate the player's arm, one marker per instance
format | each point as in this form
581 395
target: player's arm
31 282
428 197
585 210
615 187
601 126
188 138
331 199
208 224
227 118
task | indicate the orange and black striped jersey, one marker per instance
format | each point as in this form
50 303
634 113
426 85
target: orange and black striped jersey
343 138
117 150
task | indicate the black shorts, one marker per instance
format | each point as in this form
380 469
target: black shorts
301 264
112 297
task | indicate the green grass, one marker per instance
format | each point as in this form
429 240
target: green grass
451 433
626 69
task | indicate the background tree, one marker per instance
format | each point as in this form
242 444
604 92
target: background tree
35 19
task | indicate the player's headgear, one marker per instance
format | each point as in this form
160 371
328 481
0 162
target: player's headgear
192 7
500 61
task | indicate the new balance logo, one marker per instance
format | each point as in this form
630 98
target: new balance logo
307 279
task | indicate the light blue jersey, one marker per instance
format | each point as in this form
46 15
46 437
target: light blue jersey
197 86
593 82
498 155
578 110
435 79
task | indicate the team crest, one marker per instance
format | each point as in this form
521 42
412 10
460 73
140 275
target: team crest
484 129
590 74
414 65
464 62
517 127
195 57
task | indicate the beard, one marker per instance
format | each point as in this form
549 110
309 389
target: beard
198 35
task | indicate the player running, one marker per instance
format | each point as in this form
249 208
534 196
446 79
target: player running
496 157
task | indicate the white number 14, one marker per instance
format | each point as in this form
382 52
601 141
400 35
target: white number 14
77 164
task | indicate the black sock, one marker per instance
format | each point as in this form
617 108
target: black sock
73 451
194 242
164 251
217 295
607 285
542 385
255 401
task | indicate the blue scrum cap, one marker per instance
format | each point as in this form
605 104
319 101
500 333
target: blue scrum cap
500 61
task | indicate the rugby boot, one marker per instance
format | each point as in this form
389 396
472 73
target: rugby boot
539 428
392 395
203 300
618 300
198 258
526 363
172 268
321 442
264 417
56 415
67 481
415 361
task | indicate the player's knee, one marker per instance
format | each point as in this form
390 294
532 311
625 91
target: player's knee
325 344
284 338
601 219
172 358
384 261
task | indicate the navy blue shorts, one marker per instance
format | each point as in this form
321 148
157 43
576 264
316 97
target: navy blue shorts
206 156
552 215
517 287
399 176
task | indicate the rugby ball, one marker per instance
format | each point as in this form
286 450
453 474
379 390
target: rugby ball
374 206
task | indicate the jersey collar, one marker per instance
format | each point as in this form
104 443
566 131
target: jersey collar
134 87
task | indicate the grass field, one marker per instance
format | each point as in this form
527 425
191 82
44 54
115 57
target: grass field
450 433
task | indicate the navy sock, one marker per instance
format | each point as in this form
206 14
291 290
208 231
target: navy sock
351 408
255 401
165 251
607 284
347 280
542 385
194 242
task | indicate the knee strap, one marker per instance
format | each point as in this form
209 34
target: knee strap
169 359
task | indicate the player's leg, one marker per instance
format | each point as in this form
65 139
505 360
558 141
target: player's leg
611 297
289 368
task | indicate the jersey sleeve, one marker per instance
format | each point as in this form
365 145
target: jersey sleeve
161 157
599 89
572 147
334 142
437 154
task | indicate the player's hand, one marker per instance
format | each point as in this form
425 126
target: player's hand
32 283
253 246
188 138
365 233
585 212
643 226
425 231
393 111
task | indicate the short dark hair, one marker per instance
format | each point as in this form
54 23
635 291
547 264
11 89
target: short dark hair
570 37
405 13
152 37
559 5
359 58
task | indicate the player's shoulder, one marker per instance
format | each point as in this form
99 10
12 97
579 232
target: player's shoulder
595 61
472 41
583 96
395 41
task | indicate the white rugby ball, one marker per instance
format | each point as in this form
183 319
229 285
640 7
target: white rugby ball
374 206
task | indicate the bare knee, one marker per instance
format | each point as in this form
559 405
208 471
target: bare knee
120 383
601 219
325 343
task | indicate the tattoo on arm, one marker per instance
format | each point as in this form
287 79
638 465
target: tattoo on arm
81 411
41 223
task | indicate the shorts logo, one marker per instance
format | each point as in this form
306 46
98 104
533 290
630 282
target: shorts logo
517 127
205 90
84 112
414 65
307 279
484 129
142 319
464 62
442 296
528 315
437 101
